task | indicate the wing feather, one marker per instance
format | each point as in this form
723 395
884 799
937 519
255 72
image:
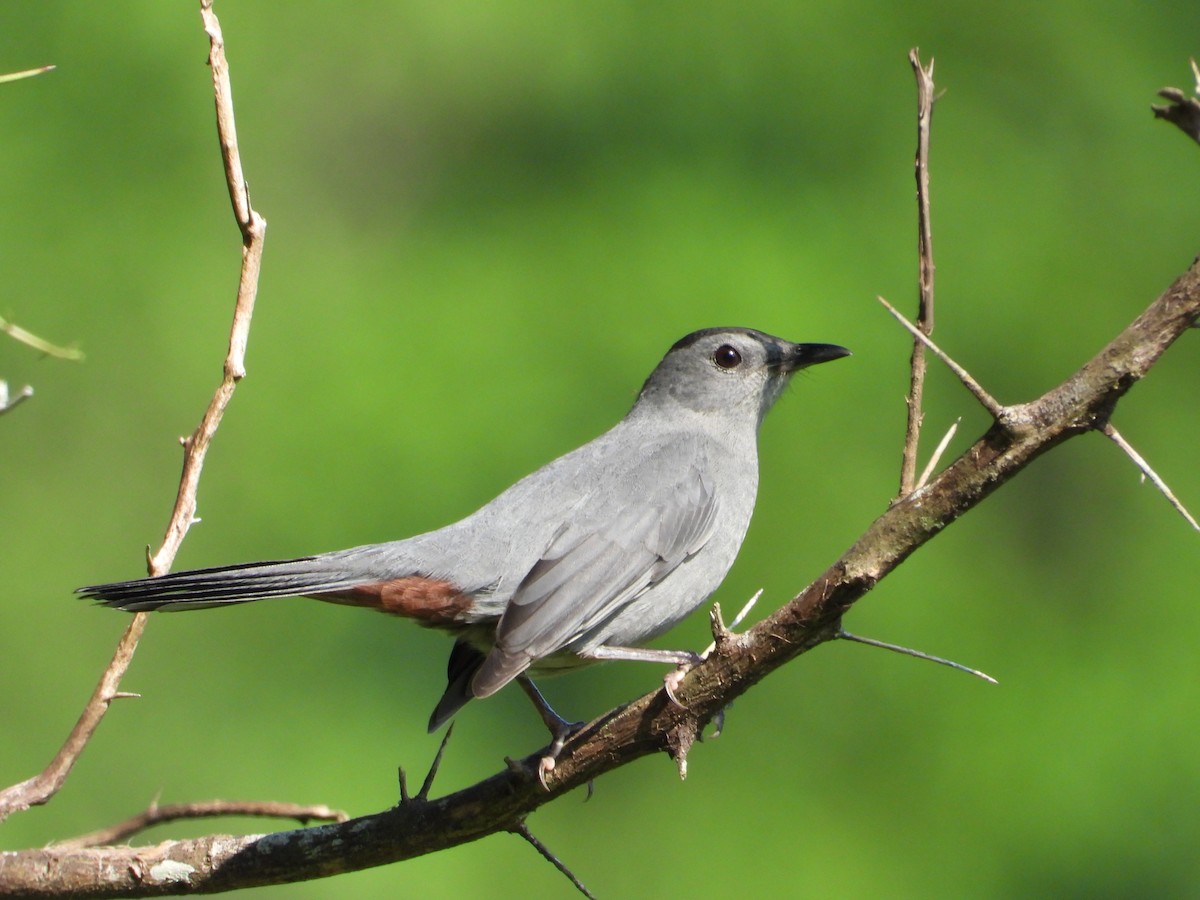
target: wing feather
603 558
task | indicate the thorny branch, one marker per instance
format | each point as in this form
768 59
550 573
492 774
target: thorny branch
916 391
40 788
651 724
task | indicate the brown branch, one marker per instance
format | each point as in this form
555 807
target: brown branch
39 789
916 391
253 228
650 724
209 809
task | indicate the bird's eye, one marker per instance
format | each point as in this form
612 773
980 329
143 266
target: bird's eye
727 357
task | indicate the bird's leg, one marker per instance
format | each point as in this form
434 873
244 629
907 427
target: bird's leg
683 660
560 729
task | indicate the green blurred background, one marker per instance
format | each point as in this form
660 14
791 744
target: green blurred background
487 223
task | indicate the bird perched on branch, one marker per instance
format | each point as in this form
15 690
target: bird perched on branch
586 559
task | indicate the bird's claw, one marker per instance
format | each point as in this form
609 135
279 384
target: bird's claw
545 766
718 723
673 679
549 757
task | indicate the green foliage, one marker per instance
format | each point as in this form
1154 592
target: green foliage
486 225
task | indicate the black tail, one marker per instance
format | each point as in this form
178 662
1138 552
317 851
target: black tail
464 662
224 585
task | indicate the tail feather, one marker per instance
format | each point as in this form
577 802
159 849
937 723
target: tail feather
225 585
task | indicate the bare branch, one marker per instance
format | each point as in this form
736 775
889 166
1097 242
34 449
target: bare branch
42 787
651 724
916 391
159 815
253 228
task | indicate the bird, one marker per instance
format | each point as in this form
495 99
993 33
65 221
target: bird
584 560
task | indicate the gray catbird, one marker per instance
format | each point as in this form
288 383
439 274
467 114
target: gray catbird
586 559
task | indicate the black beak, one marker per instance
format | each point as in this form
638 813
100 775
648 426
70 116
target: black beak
805 355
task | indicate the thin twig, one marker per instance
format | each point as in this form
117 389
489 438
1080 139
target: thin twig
17 333
987 400
1115 436
937 454
42 787
427 784
522 830
8 402
908 651
253 228
210 809
27 73
912 435
737 620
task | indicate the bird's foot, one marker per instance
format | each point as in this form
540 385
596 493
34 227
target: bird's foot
673 679
560 733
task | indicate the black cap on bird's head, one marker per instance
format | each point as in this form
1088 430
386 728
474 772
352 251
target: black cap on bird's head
730 368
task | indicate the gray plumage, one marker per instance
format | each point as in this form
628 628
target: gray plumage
602 549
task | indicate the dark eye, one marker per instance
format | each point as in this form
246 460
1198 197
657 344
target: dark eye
727 357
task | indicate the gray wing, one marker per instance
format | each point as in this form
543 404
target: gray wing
602 558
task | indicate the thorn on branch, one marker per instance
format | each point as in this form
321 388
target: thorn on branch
937 455
986 400
427 784
523 831
907 651
1113 435
724 636
680 740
